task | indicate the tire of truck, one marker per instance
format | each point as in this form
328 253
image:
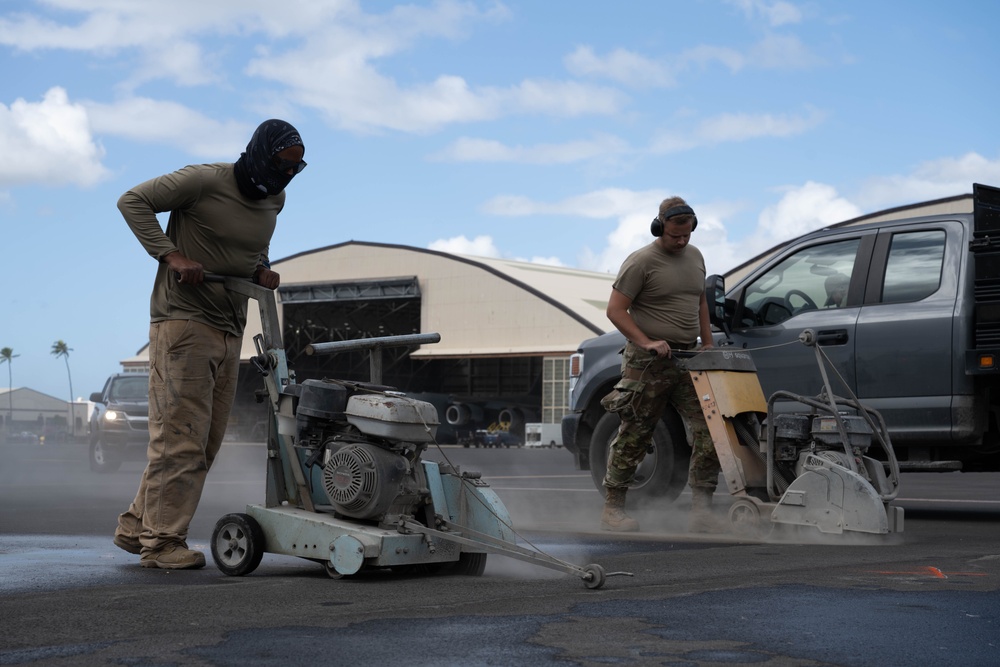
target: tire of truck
663 472
104 459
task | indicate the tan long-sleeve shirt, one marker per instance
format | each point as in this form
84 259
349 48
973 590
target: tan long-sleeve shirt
211 223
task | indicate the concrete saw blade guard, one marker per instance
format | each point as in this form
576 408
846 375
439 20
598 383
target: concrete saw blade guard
833 499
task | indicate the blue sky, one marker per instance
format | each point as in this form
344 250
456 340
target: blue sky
542 131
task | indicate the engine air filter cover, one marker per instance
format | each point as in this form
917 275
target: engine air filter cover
324 400
394 417
792 426
859 433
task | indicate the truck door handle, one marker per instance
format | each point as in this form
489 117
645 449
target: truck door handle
832 337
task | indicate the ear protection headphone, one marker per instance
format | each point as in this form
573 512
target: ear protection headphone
656 227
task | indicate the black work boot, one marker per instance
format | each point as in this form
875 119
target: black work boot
614 516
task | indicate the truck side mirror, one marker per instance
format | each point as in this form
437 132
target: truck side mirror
715 295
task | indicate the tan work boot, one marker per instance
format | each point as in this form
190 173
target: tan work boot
173 557
702 520
128 543
614 516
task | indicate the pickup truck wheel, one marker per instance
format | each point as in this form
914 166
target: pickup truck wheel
662 473
104 458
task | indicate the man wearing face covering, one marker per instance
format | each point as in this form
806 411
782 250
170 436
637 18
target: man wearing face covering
221 220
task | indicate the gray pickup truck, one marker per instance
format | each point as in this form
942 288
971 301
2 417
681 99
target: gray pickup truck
908 311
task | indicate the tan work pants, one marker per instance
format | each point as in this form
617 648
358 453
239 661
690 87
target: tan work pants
192 382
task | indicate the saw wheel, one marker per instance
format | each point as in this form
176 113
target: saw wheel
746 520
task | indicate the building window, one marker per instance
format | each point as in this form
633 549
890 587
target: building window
555 389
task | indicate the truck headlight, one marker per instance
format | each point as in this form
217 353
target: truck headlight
113 415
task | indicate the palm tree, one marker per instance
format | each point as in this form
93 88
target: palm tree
7 355
60 349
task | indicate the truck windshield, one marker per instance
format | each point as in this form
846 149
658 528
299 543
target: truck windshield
130 389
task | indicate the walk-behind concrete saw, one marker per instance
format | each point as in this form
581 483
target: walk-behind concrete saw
346 484
786 467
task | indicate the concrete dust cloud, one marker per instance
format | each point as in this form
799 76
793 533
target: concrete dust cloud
51 489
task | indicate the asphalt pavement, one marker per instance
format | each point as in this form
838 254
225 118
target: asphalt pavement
928 596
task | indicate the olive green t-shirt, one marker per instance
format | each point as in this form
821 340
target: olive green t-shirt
211 223
666 291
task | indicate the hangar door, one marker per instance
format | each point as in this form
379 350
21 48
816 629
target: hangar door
323 312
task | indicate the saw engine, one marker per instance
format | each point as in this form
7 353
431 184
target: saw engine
798 438
362 443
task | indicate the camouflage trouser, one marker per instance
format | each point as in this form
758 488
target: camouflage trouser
647 386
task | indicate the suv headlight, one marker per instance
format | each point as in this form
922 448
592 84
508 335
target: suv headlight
113 415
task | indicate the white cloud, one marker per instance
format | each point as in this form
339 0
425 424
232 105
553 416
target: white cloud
181 61
334 71
481 246
606 203
635 70
625 67
352 94
933 179
707 54
48 142
801 209
732 127
468 149
774 13
638 71
781 52
162 122
108 26
329 66
742 126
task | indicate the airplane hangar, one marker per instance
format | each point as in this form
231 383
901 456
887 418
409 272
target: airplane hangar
507 330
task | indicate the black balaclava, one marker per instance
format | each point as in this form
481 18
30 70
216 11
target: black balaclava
256 175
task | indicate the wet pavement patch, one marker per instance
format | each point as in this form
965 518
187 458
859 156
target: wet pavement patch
454 640
927 627
31 655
